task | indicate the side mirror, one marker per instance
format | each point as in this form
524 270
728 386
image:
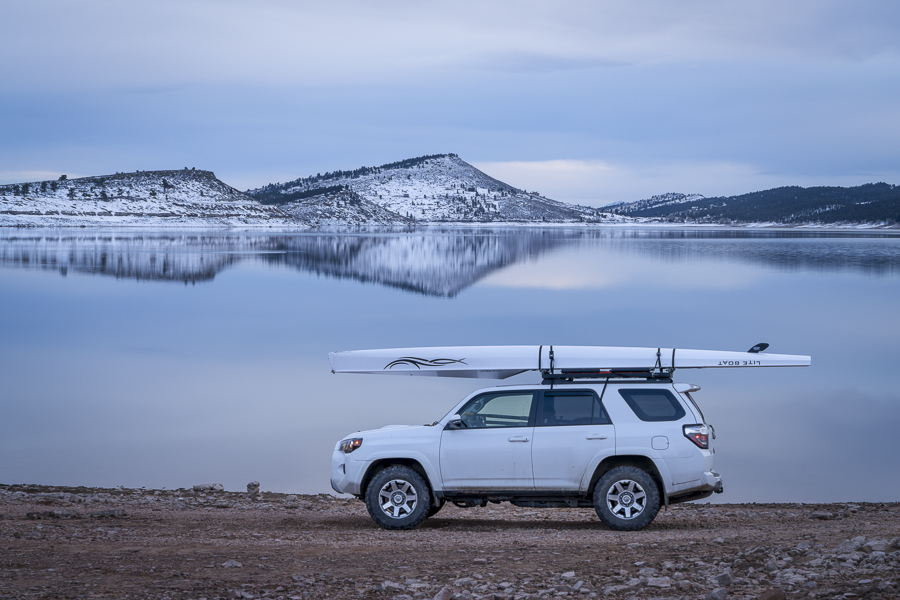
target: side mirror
456 422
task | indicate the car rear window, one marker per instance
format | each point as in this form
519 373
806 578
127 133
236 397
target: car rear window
653 404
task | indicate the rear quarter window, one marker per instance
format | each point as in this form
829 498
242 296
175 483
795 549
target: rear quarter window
653 404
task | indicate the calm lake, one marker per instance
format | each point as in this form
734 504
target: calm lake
172 358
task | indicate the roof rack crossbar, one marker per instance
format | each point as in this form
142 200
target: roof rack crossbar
654 373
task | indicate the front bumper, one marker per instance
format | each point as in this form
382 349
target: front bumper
347 473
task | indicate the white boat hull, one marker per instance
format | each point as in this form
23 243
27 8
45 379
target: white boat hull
500 362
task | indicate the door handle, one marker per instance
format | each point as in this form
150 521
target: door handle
596 436
518 438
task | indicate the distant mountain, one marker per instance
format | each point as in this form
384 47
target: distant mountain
436 188
870 204
440 188
149 198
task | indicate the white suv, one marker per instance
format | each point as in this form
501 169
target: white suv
622 446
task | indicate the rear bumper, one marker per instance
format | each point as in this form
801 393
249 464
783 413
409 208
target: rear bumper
712 481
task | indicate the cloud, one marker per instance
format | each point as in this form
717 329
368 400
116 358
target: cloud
53 44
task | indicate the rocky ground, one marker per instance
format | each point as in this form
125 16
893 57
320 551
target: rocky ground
178 544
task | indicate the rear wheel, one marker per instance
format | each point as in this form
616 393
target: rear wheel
626 499
398 498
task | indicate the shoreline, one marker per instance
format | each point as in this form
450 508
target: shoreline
338 229
190 544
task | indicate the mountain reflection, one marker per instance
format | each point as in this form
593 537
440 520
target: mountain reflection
431 262
434 263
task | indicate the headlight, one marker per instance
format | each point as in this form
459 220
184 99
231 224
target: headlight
348 446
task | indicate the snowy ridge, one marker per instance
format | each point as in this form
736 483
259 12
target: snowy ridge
341 208
670 199
439 188
145 198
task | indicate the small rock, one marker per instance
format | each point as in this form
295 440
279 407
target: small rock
44 514
659 582
647 572
66 514
724 579
464 581
869 547
253 490
444 594
678 576
718 540
822 516
848 546
390 586
568 575
480 561
209 487
717 594
231 563
772 594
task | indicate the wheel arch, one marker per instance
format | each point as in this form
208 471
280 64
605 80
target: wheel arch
636 460
383 463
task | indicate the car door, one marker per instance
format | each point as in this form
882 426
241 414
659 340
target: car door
572 433
491 450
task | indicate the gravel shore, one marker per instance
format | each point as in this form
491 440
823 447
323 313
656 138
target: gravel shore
58 542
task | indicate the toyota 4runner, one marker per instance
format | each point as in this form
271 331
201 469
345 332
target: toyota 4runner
623 447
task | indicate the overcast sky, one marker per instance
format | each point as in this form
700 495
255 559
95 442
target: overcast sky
585 101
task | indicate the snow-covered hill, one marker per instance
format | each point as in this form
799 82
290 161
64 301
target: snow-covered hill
147 198
672 199
341 208
436 188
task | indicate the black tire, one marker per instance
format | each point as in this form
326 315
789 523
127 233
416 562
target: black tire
435 509
626 499
398 498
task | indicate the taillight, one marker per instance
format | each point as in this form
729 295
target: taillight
699 434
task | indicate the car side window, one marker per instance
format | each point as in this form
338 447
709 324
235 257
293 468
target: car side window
653 404
498 410
571 408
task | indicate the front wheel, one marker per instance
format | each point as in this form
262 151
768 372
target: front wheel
398 498
626 499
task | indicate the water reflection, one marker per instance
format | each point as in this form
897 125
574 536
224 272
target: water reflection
106 383
432 262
